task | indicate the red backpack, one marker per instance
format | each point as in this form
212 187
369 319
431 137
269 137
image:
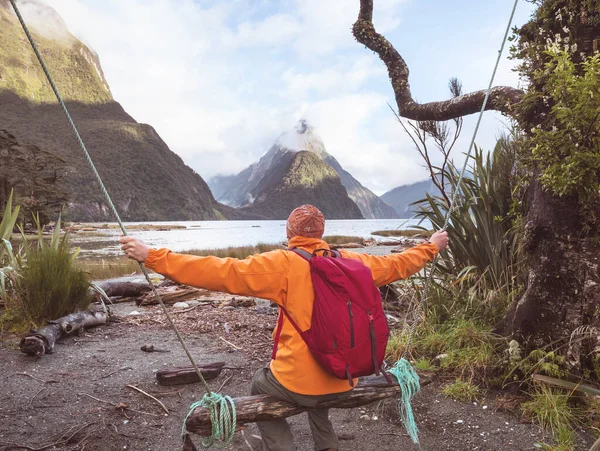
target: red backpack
349 332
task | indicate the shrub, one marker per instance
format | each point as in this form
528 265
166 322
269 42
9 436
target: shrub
50 285
484 246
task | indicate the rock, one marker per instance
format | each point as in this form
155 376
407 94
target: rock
181 305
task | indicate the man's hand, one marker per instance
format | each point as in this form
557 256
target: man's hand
440 239
134 248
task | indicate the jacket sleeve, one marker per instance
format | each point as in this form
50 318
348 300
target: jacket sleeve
389 268
263 275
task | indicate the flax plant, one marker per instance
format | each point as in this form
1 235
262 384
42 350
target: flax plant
484 250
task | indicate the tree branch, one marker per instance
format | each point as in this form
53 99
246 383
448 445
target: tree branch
502 98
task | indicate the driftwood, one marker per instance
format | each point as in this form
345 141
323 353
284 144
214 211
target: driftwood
172 294
42 341
187 375
123 287
250 409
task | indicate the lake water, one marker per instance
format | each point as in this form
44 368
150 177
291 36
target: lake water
218 234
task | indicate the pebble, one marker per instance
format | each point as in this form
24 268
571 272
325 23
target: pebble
365 417
181 305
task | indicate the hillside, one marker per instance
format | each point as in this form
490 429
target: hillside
402 196
145 178
236 190
302 178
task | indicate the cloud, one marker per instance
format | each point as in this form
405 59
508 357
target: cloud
220 80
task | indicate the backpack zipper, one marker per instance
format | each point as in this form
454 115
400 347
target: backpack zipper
351 315
373 343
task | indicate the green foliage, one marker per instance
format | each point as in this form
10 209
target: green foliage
424 364
460 390
462 347
240 252
483 253
557 50
537 362
39 281
550 408
479 224
567 147
11 260
50 285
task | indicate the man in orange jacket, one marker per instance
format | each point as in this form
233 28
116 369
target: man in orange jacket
283 277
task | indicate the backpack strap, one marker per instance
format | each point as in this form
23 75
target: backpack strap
283 314
301 252
307 255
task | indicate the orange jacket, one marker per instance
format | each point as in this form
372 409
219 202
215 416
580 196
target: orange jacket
284 278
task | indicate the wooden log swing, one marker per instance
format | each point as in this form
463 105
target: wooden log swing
250 409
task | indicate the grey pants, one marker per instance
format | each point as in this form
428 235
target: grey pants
276 434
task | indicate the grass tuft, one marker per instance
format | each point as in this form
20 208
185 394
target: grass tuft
550 408
461 390
50 285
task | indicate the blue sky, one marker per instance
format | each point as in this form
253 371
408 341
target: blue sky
220 80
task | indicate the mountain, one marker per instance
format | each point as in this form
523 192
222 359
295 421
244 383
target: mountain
402 196
298 178
238 190
146 180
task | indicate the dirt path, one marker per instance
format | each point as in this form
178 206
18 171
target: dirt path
81 392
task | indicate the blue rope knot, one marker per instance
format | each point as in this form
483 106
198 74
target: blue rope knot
408 380
222 418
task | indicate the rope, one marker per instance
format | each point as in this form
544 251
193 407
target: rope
408 380
405 374
223 422
109 200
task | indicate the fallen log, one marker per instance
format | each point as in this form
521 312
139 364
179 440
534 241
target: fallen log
123 287
177 375
250 409
172 294
42 341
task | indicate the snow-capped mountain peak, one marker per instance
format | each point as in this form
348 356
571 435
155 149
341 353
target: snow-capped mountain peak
302 137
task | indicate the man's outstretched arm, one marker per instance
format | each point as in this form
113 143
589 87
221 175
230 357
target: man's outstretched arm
389 268
261 275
